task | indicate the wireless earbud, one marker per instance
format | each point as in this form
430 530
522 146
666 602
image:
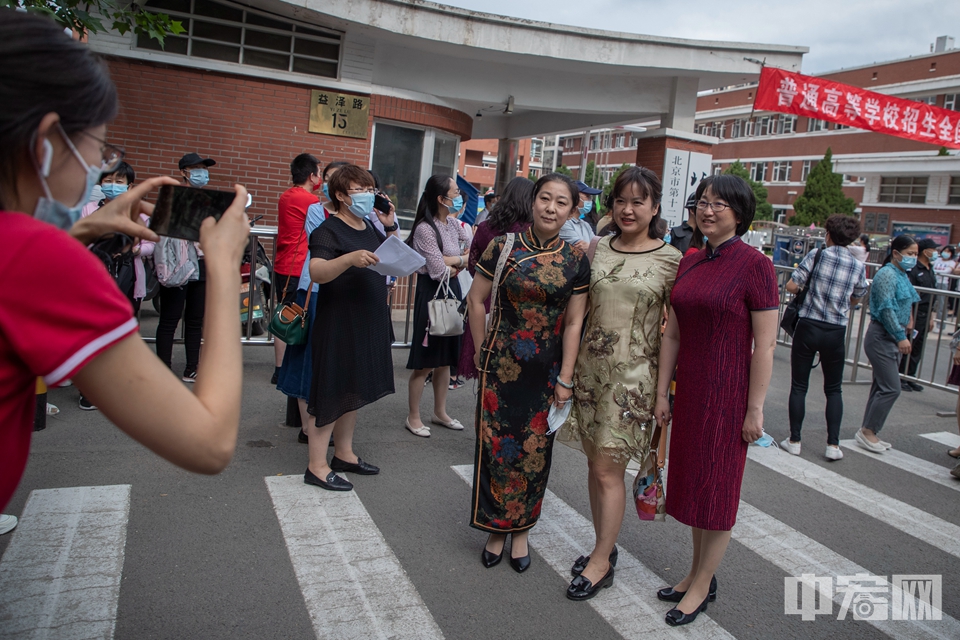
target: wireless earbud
47 158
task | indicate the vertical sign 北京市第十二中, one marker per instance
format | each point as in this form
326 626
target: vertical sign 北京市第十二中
339 114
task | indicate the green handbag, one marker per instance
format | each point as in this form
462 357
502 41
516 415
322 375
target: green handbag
290 321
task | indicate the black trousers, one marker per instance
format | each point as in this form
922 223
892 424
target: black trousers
909 363
813 337
187 302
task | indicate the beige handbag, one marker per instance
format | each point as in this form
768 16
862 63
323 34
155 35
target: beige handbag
444 313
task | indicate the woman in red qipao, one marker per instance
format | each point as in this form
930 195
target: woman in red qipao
724 305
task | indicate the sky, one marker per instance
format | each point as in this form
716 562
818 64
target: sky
839 33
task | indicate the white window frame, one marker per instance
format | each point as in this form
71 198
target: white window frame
805 170
241 47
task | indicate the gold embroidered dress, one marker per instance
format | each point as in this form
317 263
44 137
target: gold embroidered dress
615 380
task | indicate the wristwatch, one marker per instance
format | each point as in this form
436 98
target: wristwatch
392 227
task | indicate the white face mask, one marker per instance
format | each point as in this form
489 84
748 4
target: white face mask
53 211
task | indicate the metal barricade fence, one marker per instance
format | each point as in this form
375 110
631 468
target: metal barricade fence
250 335
936 357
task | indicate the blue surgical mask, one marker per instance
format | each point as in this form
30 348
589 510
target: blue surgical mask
457 204
764 440
199 177
908 262
55 212
362 204
586 208
326 191
111 191
935 255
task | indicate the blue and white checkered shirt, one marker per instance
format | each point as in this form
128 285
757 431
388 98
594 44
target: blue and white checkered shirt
839 276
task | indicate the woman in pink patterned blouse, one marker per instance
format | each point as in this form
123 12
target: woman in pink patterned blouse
438 236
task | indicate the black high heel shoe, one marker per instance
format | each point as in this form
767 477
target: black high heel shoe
582 589
676 618
581 563
667 594
520 564
488 558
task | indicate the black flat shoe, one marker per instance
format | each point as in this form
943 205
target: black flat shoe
669 595
676 618
583 589
582 562
303 438
520 564
489 559
333 482
360 468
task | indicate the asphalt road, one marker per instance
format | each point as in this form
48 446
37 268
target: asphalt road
210 557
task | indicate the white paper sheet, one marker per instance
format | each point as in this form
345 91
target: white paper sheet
397 259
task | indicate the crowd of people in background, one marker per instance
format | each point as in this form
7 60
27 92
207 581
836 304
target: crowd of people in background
575 310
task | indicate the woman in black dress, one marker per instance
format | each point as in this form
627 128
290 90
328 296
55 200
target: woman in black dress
352 364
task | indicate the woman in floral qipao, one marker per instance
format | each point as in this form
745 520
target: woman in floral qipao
616 374
526 364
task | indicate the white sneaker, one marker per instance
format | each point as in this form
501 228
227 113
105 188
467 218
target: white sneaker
833 453
875 447
7 523
790 447
886 445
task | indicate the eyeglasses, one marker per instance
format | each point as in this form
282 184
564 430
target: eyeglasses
716 207
110 155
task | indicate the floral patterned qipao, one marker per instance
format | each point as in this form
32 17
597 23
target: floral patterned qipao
615 382
518 370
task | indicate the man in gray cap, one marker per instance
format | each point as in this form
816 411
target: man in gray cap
920 276
681 235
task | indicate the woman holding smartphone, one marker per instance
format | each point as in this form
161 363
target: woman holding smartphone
58 99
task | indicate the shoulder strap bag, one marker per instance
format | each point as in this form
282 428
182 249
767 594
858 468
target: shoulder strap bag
501 263
791 314
290 322
444 314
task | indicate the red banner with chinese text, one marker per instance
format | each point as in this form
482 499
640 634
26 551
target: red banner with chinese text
789 92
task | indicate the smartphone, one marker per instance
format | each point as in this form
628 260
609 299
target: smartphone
180 210
381 203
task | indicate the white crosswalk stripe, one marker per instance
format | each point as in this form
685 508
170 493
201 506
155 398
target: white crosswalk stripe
910 464
630 606
900 515
60 575
943 437
798 554
353 584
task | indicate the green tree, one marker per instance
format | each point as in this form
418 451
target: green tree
764 208
89 16
609 187
532 176
822 196
563 169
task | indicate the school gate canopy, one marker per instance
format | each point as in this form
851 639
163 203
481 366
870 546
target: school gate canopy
395 85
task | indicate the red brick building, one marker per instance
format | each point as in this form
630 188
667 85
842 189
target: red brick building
892 182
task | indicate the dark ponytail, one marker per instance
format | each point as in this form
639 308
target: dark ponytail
900 243
427 208
43 71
